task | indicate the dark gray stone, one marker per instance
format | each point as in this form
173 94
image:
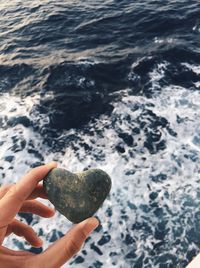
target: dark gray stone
77 195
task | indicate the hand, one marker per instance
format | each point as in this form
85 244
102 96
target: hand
21 197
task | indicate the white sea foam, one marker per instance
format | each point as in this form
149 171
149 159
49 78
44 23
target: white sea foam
131 172
165 40
194 68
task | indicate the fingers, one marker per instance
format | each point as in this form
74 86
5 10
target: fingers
4 189
7 251
21 229
36 207
63 249
18 193
37 192
15 259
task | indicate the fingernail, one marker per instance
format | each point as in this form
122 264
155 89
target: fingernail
40 241
52 210
51 164
90 224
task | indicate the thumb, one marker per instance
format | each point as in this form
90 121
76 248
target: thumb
63 249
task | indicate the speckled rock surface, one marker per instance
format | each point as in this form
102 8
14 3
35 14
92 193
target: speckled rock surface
77 195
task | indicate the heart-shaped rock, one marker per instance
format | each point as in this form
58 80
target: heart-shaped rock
77 195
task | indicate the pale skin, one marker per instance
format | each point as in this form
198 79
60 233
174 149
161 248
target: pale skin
21 197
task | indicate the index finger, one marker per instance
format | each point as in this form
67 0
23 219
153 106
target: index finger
37 192
18 193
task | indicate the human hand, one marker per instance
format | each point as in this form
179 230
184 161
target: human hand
20 197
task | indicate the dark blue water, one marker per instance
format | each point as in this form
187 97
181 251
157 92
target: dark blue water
113 84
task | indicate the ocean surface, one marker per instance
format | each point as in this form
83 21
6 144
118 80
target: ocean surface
112 85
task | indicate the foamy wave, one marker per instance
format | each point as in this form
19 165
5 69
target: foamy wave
150 147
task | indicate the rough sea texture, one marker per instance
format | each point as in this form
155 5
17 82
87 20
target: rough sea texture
112 85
